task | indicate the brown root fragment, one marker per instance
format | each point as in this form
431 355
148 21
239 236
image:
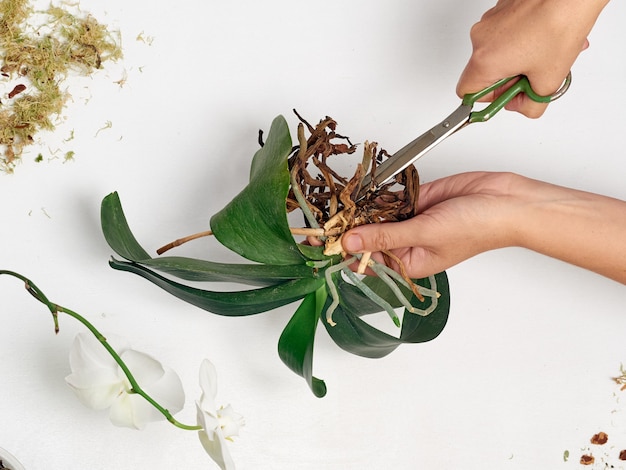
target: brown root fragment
587 459
16 90
599 439
405 275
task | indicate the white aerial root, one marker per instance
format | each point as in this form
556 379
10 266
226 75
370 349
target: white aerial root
389 277
333 288
373 295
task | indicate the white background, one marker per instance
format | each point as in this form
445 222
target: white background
520 374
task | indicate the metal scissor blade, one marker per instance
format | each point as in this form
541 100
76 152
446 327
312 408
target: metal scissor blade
415 149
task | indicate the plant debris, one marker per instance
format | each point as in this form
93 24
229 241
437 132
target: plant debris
17 90
621 379
599 439
40 57
587 459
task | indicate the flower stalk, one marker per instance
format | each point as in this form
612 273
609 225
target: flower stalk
55 309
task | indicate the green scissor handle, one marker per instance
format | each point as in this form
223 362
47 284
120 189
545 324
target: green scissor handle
521 86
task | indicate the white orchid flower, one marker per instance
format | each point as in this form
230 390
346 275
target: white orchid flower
218 426
100 383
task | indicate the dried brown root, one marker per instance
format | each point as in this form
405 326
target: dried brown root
330 199
334 246
404 274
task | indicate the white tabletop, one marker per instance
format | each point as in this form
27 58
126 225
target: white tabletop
520 374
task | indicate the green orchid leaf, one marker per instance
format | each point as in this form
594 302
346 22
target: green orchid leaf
354 335
361 304
239 303
192 269
295 346
116 231
381 288
313 252
416 328
120 238
419 329
254 224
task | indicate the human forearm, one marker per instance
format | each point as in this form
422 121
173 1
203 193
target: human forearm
578 227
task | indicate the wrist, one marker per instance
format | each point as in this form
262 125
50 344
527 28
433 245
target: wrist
574 226
517 196
539 211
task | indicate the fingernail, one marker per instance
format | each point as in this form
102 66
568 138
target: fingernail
353 243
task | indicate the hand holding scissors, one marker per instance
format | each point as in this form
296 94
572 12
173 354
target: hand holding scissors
461 117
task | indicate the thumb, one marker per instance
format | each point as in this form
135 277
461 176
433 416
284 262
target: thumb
380 237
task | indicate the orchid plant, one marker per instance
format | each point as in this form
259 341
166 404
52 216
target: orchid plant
283 271
136 388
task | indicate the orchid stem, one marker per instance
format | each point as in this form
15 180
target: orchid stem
55 309
181 241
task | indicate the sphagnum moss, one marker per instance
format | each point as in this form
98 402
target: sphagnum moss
38 60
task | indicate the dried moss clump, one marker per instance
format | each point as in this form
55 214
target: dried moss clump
35 58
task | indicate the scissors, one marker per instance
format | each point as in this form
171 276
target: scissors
457 120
